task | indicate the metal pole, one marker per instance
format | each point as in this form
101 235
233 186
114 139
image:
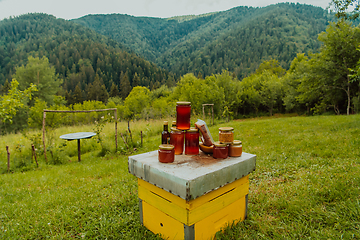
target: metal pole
79 152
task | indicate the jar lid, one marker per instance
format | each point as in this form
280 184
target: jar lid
218 144
174 123
175 129
166 147
236 142
183 103
192 129
226 129
165 122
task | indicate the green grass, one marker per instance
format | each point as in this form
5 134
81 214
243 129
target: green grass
306 185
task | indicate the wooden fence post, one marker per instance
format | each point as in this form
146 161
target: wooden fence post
141 138
8 158
44 117
116 141
34 154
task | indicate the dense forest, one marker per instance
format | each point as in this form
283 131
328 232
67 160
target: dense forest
238 39
78 54
247 61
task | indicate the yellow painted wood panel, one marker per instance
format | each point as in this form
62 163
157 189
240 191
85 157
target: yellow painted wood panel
213 194
217 204
171 208
159 222
235 212
165 194
196 202
174 206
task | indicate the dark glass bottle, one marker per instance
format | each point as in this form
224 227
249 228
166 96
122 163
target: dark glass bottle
165 135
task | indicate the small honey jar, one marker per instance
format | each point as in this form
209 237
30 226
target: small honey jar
166 153
220 150
235 149
226 135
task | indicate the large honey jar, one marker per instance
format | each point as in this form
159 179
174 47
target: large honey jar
183 110
192 141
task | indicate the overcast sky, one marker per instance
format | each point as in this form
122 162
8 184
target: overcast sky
70 9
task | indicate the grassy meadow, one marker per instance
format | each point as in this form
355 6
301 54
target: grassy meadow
306 184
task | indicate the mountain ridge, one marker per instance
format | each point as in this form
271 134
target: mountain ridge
170 43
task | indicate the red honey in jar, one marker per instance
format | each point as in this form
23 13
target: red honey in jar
166 153
192 141
235 149
220 150
177 140
226 135
183 110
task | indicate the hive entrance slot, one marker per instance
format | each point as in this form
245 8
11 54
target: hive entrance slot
222 194
160 196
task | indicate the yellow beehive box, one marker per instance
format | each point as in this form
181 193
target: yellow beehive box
175 218
195 196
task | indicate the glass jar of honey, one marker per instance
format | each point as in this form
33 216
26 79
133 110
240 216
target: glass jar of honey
192 141
220 150
166 153
183 110
235 149
177 140
226 135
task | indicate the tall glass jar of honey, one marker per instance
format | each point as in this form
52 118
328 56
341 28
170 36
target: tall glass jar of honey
177 140
183 110
192 141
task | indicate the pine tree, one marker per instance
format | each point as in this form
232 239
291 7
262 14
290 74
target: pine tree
136 80
114 90
125 87
77 96
5 88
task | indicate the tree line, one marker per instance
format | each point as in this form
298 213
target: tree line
314 83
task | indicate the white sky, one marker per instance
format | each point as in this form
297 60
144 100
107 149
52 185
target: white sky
70 9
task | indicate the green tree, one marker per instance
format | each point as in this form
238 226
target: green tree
271 90
97 91
114 90
14 100
328 73
78 94
342 9
125 87
136 102
198 92
39 72
6 87
291 81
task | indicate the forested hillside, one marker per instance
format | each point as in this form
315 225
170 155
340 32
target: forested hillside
79 55
238 39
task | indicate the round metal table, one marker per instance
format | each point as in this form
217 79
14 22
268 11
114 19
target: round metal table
77 136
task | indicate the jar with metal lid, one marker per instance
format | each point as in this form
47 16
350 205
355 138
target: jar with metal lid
226 135
183 110
220 150
177 140
166 153
235 149
192 141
